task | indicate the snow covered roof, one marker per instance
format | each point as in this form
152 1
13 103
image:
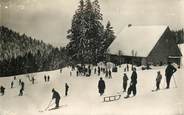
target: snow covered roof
140 39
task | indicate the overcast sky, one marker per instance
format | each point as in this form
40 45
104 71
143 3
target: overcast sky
48 20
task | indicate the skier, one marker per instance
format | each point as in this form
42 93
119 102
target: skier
98 71
158 80
101 86
106 73
66 89
33 79
89 71
2 90
95 70
12 84
168 73
77 73
48 78
21 92
125 79
45 78
132 87
127 68
110 76
14 77
20 81
22 85
56 96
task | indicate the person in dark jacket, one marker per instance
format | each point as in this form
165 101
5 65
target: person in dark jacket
20 81
110 75
125 79
56 96
45 78
12 84
95 70
168 73
21 89
33 79
22 85
158 80
48 78
106 73
2 90
132 87
101 86
66 89
98 71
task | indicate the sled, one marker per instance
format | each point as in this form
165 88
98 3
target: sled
112 98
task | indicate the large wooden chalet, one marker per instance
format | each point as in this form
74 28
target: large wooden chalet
144 45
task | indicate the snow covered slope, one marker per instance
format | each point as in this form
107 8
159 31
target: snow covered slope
83 98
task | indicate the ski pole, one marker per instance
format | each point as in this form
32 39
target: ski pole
48 105
175 81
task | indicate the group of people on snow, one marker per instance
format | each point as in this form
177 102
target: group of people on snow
46 78
169 71
101 83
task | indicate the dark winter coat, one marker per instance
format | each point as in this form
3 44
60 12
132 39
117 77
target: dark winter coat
101 86
55 95
159 78
22 85
170 70
66 87
2 89
125 79
134 78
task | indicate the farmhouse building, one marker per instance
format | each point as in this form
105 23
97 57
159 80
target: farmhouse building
143 45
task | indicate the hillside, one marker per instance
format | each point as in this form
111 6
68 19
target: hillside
12 44
22 54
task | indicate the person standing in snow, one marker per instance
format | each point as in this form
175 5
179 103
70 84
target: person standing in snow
106 73
12 84
110 75
14 77
101 86
66 89
45 78
56 96
132 87
21 89
48 78
125 79
2 90
33 79
168 73
20 81
98 71
95 70
127 67
158 80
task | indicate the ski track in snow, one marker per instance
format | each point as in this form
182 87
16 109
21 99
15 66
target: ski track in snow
84 99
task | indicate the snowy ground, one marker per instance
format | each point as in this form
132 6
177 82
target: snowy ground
83 98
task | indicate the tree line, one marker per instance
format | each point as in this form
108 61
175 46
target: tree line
22 54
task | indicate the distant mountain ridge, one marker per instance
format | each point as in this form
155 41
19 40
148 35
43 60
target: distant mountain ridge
13 44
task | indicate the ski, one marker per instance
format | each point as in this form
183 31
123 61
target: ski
57 107
54 108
